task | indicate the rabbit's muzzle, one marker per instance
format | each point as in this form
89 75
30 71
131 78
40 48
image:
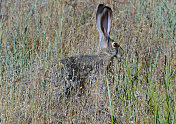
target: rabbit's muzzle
119 52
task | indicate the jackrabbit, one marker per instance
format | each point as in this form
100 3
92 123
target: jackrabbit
81 67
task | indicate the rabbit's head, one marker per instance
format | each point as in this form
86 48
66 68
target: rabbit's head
103 21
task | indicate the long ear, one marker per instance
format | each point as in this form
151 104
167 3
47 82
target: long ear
98 18
103 19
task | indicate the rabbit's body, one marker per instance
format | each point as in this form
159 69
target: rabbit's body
82 67
79 68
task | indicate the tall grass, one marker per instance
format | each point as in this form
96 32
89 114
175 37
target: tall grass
34 35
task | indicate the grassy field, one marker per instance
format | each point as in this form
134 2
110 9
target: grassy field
35 35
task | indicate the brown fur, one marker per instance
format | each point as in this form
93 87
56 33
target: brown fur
82 67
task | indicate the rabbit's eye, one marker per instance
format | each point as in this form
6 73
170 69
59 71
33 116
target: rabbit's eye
114 45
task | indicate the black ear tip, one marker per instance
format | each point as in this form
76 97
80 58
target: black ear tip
100 8
100 5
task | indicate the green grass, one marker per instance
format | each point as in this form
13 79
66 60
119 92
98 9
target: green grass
34 35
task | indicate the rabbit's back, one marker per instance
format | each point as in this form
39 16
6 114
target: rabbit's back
82 67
